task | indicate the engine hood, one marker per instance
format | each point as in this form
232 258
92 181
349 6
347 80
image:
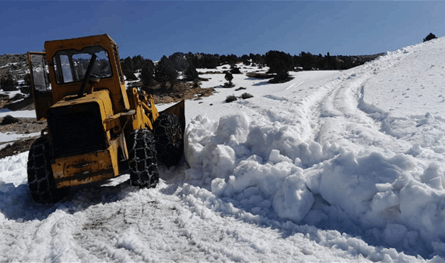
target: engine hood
101 97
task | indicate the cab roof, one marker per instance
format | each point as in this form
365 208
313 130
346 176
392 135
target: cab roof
51 47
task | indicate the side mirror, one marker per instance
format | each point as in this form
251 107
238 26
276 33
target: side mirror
93 80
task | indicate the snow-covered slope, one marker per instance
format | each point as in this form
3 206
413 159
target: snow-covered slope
332 166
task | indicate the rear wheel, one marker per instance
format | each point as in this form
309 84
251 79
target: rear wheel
169 139
40 175
143 165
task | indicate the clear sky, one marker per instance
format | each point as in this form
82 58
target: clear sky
153 29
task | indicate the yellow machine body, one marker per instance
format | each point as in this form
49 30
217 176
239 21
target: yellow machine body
88 123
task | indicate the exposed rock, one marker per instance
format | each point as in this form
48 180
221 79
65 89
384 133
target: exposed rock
8 119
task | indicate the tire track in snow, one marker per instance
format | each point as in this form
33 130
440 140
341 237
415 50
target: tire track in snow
294 85
297 112
296 109
175 221
345 102
128 230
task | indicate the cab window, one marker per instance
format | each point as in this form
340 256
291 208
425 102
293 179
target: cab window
71 65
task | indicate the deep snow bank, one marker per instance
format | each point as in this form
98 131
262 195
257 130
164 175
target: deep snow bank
265 167
260 165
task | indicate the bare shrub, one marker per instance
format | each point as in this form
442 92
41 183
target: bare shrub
231 98
246 95
8 119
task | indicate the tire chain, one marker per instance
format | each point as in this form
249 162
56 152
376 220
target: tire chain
40 176
143 165
169 139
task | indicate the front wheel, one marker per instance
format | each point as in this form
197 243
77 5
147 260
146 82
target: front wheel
40 175
143 165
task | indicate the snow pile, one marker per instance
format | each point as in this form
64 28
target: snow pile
265 166
257 164
13 186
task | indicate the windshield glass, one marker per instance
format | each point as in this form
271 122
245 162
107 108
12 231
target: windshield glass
71 65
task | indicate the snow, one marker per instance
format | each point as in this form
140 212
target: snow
331 166
10 137
18 114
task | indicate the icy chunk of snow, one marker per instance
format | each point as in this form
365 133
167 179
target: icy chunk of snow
293 201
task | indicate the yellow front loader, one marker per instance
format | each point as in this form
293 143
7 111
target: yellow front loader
97 129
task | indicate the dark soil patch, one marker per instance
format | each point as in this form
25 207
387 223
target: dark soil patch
24 104
228 85
8 119
23 126
17 147
246 96
180 91
275 81
231 98
260 75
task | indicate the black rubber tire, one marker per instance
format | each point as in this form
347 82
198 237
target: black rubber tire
142 159
169 139
40 175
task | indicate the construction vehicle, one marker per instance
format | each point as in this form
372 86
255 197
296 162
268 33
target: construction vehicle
96 128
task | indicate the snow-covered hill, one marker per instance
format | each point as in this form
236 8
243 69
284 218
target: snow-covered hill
331 166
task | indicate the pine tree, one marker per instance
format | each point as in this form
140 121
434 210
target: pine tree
429 37
179 61
165 72
307 60
229 78
234 69
210 61
127 69
191 73
138 62
27 79
8 83
147 75
279 63
128 64
245 59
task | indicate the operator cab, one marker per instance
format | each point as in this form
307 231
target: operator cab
59 72
71 65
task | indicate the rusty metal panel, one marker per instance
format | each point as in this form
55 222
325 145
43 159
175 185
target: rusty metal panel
40 84
86 168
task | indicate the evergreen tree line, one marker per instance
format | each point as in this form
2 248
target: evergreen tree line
166 70
7 83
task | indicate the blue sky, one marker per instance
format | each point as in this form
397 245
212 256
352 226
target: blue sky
153 29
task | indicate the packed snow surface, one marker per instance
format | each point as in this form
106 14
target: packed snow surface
331 166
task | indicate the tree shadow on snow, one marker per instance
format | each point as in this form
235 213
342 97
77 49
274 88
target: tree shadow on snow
262 83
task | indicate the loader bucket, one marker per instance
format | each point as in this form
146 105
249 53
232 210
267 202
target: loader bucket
179 110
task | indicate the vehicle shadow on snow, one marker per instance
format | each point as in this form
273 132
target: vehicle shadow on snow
17 204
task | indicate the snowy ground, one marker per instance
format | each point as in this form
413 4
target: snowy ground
332 166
